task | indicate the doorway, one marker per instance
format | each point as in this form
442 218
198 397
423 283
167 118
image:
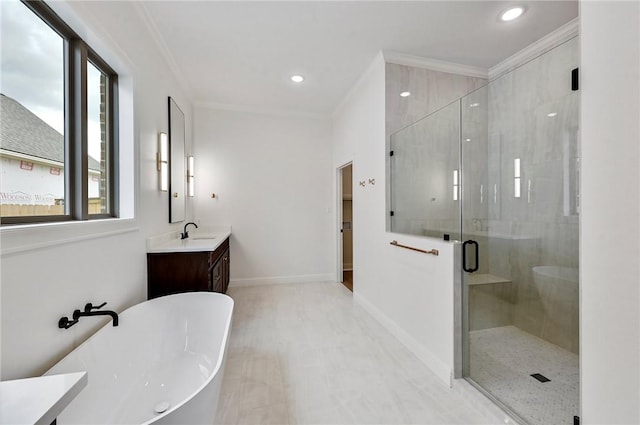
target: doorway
346 226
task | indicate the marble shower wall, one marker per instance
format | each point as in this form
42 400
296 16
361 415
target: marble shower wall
430 91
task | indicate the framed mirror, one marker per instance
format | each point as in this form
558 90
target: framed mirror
177 183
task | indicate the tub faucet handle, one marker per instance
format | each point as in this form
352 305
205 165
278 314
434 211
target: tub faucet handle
65 323
88 307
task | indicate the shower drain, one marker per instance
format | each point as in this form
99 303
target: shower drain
162 407
540 377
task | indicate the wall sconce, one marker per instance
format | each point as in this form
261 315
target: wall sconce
456 185
516 177
190 174
162 161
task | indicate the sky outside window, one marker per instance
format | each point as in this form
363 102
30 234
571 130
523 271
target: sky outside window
32 63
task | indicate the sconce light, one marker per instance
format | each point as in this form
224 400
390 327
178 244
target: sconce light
162 161
456 185
190 174
516 177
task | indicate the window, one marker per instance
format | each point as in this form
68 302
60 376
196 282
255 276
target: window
58 133
98 147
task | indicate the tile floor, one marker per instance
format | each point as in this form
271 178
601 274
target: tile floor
502 360
307 354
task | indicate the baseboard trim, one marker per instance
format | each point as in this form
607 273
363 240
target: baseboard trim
442 370
282 280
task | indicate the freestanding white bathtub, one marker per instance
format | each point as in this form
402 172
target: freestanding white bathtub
162 364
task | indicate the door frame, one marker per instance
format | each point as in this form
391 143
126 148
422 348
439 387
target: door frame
338 224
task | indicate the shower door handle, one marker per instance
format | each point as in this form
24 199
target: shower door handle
464 256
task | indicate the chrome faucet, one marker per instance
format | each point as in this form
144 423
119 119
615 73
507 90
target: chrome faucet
185 234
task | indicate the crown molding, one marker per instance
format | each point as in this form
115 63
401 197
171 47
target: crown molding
398 58
161 44
537 48
260 110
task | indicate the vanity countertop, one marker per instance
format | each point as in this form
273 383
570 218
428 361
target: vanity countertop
38 400
199 240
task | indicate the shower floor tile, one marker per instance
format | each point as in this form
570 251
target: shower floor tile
502 362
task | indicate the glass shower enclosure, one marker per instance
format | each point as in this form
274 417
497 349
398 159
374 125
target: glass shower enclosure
498 170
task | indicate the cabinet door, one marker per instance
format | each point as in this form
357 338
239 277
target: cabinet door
226 259
216 277
172 273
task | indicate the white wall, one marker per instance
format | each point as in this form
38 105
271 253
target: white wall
610 227
410 293
272 178
50 270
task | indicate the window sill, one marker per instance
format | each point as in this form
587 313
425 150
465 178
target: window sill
22 238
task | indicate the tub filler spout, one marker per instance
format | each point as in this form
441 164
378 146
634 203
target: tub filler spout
77 314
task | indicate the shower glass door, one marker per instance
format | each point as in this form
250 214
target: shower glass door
520 206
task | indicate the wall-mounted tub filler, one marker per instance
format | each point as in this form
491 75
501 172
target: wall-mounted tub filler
65 323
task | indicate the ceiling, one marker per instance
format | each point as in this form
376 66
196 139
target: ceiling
242 54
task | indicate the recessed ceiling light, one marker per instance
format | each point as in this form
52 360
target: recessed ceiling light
552 114
297 78
473 105
467 140
405 94
512 13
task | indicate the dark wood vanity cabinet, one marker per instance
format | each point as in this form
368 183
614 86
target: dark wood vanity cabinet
175 272
219 271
